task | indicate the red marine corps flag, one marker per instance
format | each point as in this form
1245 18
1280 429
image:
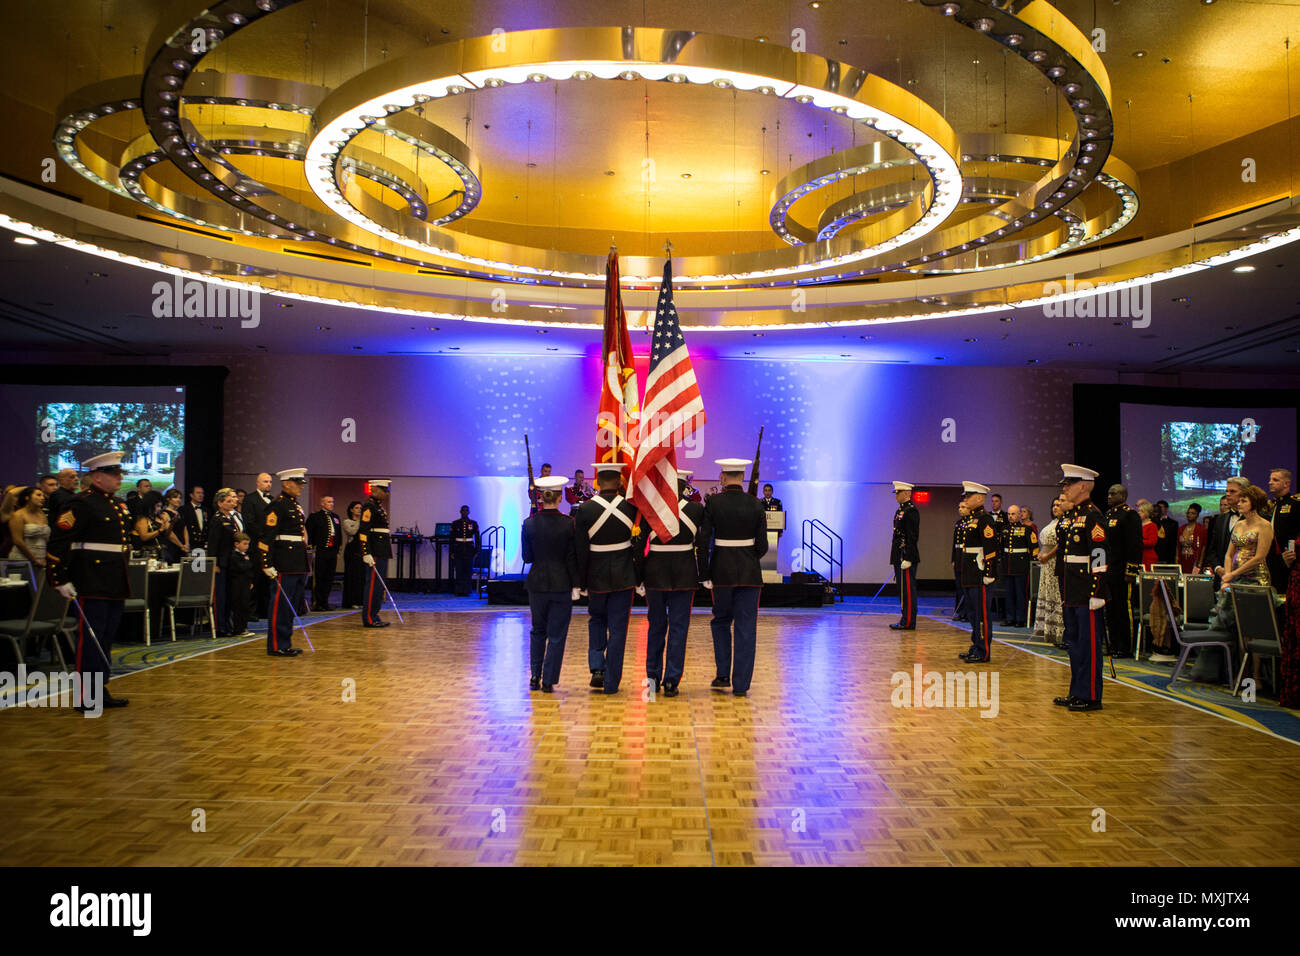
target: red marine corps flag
618 413
673 410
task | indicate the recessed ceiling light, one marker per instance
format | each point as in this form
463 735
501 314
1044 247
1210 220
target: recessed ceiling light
971 340
765 172
1139 54
939 358
1244 269
609 172
686 175
815 4
25 240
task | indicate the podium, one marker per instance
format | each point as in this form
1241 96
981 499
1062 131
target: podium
775 525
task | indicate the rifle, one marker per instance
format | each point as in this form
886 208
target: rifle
753 473
528 452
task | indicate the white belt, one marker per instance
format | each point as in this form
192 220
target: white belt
92 546
378 530
462 540
734 542
973 550
1077 559
673 547
1017 550
289 537
621 546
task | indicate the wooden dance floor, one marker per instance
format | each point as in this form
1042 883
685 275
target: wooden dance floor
445 757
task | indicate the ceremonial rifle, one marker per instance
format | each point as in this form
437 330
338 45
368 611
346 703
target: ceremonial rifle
528 452
753 474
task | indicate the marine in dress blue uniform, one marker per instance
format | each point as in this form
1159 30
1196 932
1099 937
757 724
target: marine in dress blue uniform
86 561
904 554
552 583
282 556
673 570
609 549
1123 561
1021 544
1081 564
979 559
375 546
739 528
464 546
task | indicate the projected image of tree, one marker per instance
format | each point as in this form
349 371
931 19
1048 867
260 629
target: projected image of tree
151 435
1196 456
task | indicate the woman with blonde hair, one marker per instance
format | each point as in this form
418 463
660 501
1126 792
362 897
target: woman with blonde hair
1049 617
1150 533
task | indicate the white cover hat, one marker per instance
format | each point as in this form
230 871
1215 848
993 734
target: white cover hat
600 466
974 488
292 474
732 464
110 459
902 486
1077 473
548 482
380 482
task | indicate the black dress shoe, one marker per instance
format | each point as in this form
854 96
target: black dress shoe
548 688
670 690
897 627
534 683
597 679
658 684
376 624
976 660
964 654
721 682
1078 706
278 653
292 651
1063 701
739 693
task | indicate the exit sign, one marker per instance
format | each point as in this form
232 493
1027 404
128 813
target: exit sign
921 497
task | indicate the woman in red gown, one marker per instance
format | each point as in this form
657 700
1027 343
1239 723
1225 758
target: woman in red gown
1150 534
1191 540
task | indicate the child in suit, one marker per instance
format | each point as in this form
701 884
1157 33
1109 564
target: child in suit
241 587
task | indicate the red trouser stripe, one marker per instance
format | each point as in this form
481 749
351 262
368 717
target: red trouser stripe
370 596
81 640
1092 652
274 640
907 597
984 617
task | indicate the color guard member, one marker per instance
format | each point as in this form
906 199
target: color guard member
372 534
979 558
739 529
282 553
578 492
904 555
1081 565
672 574
609 548
552 584
690 493
86 561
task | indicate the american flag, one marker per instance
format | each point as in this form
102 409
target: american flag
671 411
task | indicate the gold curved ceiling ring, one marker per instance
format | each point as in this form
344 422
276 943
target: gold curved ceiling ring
627 53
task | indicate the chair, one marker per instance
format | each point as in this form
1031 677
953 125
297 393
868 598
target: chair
1194 639
194 593
1167 569
1199 601
1256 624
1147 581
47 619
137 574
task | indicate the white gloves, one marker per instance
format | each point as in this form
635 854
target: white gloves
708 585
270 573
905 565
640 590
582 593
1096 604
574 594
988 581
368 559
67 590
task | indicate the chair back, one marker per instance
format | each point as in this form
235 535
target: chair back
137 576
1200 598
1167 569
50 605
1162 586
1035 579
1256 620
195 584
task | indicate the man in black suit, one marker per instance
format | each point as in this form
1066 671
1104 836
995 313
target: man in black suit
324 533
739 540
196 518
254 512
1216 546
